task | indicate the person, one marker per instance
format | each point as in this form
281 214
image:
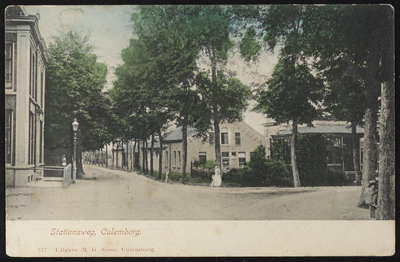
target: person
64 160
372 194
216 178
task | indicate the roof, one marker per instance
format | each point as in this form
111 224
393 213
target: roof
324 129
176 134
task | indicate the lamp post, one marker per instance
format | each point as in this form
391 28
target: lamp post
75 125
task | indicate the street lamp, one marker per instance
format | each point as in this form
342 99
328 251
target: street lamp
75 125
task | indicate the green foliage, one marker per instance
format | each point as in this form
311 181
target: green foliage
345 99
292 93
209 164
74 83
312 155
248 46
280 150
260 171
277 173
228 95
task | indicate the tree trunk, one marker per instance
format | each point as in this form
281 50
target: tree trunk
184 147
143 158
370 143
296 176
215 112
147 157
387 150
106 155
112 152
134 155
160 166
355 152
386 187
122 154
151 154
116 157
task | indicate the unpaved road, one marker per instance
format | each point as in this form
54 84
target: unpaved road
106 194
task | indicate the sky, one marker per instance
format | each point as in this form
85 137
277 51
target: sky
110 27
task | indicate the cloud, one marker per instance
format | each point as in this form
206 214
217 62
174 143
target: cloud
70 17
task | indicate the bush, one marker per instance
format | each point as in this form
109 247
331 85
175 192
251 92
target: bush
209 164
260 171
311 154
277 173
233 177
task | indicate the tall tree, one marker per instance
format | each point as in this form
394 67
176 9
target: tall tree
171 43
358 34
225 97
292 95
74 83
386 189
361 37
345 100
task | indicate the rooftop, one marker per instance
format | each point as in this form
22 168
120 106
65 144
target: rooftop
324 129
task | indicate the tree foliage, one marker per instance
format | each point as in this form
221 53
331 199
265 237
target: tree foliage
74 83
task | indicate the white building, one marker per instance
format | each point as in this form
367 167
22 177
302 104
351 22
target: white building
25 62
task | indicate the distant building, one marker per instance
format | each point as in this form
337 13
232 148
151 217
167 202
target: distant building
338 135
25 62
238 141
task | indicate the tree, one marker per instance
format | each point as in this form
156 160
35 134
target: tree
386 189
291 96
174 36
361 35
345 100
225 97
172 52
74 83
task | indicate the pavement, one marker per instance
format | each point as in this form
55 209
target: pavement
105 194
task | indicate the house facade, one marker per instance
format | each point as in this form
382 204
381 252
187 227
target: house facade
25 61
238 141
337 133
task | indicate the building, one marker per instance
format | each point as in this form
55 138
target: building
25 62
238 140
338 135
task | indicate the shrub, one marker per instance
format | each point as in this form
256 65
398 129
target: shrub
209 164
277 173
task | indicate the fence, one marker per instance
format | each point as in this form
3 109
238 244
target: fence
201 173
67 175
58 174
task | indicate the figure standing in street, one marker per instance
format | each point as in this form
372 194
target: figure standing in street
216 178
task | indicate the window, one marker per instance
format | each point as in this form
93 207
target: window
225 159
225 162
33 75
174 158
9 135
32 140
41 89
9 64
237 138
41 142
224 137
166 159
251 155
179 159
242 158
203 157
233 154
212 138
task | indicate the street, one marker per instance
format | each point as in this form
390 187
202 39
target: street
105 194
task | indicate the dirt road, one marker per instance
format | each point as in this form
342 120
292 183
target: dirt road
106 194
